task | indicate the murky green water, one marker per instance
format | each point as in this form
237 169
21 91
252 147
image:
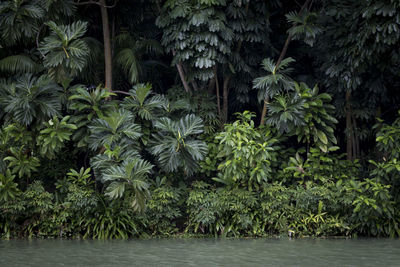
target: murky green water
202 252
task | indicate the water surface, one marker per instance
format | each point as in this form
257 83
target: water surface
202 252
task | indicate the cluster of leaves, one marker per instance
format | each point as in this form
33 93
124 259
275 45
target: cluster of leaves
196 32
297 109
246 153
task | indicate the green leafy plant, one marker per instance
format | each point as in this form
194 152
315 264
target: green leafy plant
31 100
87 106
176 144
387 169
165 207
141 102
19 20
39 206
304 27
321 167
115 129
246 153
21 163
13 135
286 113
64 48
205 38
374 212
8 188
110 221
130 52
276 81
81 178
319 123
129 178
52 139
388 138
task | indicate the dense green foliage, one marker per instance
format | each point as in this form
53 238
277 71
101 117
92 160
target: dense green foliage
165 139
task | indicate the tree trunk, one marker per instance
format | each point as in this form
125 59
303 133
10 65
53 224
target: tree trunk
225 94
356 138
107 45
264 111
217 92
349 128
182 76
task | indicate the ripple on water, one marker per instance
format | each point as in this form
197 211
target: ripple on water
201 252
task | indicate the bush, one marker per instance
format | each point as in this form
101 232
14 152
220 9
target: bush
245 153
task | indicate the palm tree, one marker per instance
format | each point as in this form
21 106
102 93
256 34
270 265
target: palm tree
88 106
19 20
115 130
176 145
129 177
276 81
64 52
141 102
30 99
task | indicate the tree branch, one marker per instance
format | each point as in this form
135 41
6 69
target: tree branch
120 92
90 2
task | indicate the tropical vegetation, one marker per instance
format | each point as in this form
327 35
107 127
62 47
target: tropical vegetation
226 118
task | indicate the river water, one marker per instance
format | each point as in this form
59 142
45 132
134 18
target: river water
202 252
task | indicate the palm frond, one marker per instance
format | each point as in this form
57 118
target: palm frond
129 63
19 64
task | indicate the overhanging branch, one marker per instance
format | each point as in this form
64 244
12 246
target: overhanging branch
92 2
